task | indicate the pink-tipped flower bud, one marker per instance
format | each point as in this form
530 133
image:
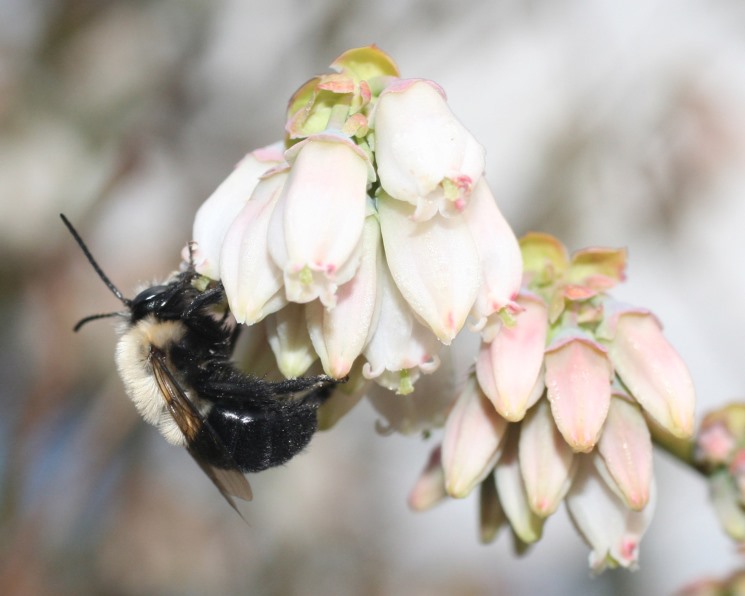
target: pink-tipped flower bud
509 368
316 229
649 366
626 449
547 463
473 436
424 155
434 263
578 376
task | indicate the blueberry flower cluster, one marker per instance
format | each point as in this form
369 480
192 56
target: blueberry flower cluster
364 242
559 409
366 238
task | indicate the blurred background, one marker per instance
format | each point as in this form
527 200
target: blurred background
605 123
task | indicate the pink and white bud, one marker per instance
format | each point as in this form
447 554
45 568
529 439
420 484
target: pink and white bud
651 369
626 449
424 155
217 213
289 340
401 347
578 376
340 334
609 528
316 229
547 463
719 434
429 489
509 368
512 494
434 263
499 252
471 443
252 281
714 443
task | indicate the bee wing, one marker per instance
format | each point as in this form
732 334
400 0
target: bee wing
230 482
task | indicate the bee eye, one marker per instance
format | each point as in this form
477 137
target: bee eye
148 294
149 300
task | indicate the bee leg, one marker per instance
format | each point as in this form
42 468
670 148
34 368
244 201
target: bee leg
301 384
319 396
212 296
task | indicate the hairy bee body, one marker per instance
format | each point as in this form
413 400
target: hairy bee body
174 358
259 424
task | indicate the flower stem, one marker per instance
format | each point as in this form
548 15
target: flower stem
681 449
338 116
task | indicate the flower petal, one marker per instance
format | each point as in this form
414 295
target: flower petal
400 344
499 253
424 155
626 448
424 408
578 376
509 368
653 371
611 530
525 524
217 213
547 463
317 226
470 446
288 338
435 265
252 281
340 334
429 489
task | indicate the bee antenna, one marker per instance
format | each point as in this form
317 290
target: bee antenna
82 322
98 269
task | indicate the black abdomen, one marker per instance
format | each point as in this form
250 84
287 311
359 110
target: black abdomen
255 440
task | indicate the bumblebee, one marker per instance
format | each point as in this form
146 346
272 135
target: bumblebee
174 358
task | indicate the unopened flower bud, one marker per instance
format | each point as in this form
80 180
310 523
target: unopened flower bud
340 334
652 370
499 253
252 281
526 525
316 228
429 489
626 448
288 338
578 376
425 156
434 263
471 444
219 210
547 463
509 368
